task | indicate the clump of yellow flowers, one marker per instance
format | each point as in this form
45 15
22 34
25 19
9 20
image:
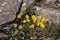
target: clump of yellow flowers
34 20
28 25
45 19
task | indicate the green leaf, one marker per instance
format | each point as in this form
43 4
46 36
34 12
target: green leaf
14 32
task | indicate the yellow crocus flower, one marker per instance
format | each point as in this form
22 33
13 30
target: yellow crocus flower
39 17
20 27
24 21
45 19
28 20
40 22
18 16
24 8
37 23
27 16
34 21
15 25
34 18
42 25
32 26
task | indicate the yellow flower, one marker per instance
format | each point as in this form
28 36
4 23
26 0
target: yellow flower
28 20
34 21
45 19
40 22
27 16
39 17
34 18
42 25
37 23
18 16
24 21
32 26
15 25
24 8
20 27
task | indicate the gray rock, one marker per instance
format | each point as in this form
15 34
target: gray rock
51 13
8 9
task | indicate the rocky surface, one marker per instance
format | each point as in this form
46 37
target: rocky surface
51 13
8 10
